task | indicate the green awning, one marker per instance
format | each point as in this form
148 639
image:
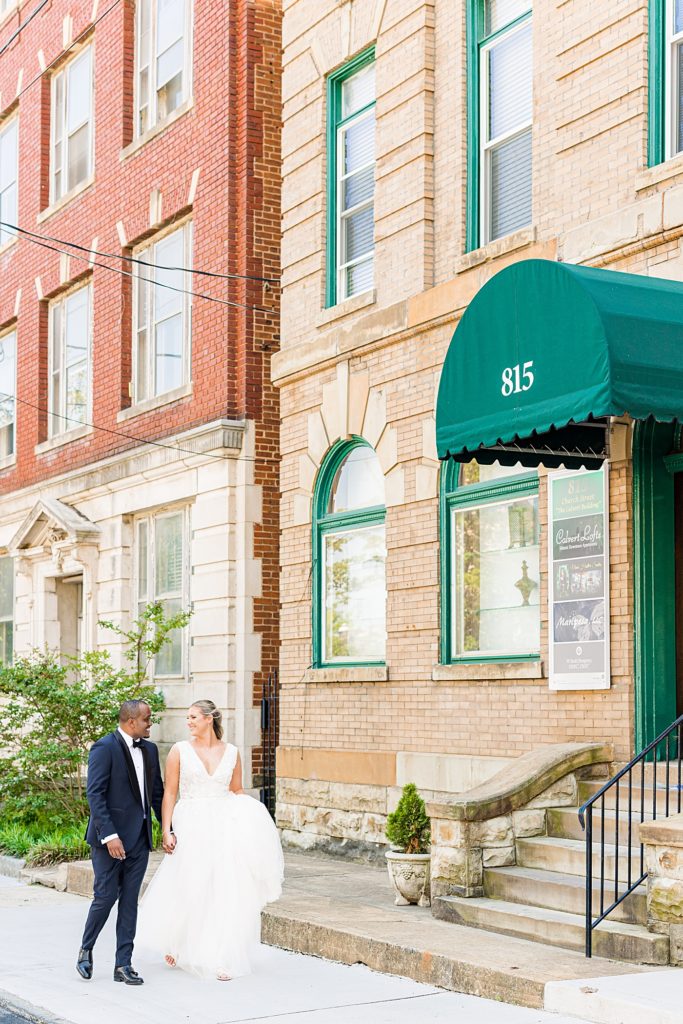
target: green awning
546 351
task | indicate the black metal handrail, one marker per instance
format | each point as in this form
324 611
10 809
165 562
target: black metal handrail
659 750
269 734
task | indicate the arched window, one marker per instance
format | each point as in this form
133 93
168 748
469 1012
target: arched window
349 558
490 570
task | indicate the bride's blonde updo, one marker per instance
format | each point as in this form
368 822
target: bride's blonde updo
209 710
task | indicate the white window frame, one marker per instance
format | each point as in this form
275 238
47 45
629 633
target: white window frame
154 120
486 145
7 455
150 520
341 214
59 118
57 424
5 7
12 123
11 618
671 85
149 249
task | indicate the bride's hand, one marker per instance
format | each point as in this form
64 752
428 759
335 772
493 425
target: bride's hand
168 842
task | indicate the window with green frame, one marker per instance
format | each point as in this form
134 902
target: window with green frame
500 89
349 558
665 80
490 570
351 178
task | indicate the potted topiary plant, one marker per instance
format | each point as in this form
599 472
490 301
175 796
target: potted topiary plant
408 861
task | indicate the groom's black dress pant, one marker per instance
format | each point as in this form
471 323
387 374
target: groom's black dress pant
117 880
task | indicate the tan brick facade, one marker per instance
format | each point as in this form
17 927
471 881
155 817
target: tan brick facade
370 366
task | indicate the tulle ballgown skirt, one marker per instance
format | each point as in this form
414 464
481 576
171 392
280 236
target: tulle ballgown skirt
203 906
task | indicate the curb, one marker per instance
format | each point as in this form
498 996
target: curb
447 972
11 867
35 1014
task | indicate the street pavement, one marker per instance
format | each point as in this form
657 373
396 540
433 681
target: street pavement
40 937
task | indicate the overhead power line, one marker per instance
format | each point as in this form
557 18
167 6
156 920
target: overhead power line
142 277
144 263
4 395
19 29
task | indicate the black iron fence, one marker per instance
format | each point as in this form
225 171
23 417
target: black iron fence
649 786
269 729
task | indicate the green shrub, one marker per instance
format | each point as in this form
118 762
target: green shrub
52 712
59 846
408 826
15 840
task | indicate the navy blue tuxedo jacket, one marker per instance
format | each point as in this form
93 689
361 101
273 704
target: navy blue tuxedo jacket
113 791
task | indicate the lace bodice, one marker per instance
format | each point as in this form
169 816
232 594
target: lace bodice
195 781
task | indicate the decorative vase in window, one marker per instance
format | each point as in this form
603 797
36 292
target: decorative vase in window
525 585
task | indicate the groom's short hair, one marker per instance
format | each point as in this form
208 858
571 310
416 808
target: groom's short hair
131 709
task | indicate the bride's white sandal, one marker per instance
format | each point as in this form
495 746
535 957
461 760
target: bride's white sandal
223 976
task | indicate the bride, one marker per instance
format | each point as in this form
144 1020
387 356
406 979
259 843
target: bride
202 909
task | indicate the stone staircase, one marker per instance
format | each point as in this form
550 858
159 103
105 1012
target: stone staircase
542 896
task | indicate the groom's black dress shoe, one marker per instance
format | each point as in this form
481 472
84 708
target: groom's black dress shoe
127 975
84 964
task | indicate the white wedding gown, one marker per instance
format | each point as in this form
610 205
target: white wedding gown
203 906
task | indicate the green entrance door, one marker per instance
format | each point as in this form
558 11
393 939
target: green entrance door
658 563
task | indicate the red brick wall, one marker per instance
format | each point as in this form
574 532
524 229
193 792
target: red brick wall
232 134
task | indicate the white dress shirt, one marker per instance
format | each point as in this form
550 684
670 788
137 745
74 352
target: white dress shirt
139 764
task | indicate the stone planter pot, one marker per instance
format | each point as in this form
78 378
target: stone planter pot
409 874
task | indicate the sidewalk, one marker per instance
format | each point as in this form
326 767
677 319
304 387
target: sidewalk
345 912
40 936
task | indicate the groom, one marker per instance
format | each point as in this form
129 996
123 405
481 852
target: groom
124 785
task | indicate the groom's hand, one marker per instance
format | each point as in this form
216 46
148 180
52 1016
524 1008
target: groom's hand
168 842
116 850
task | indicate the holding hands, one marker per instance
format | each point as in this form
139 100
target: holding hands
168 842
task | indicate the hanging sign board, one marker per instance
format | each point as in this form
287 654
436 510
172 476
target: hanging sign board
578 580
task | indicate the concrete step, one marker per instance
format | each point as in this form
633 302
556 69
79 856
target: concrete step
557 891
588 789
568 856
563 823
612 939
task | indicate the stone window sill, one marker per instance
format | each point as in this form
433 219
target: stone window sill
346 307
492 671
61 439
157 402
6 246
670 168
7 461
348 674
158 129
59 204
492 250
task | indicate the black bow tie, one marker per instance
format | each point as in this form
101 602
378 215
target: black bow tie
137 743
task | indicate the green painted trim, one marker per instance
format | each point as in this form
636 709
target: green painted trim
484 494
499 659
334 120
322 523
451 496
474 30
674 463
654 581
475 40
485 40
656 77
